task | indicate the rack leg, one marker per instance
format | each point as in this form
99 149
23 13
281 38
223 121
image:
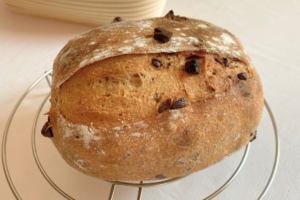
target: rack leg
112 190
140 192
48 81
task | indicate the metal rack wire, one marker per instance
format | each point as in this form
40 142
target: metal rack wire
140 185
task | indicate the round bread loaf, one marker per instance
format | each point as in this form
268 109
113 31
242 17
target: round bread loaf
152 99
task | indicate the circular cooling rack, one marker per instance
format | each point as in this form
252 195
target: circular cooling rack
140 185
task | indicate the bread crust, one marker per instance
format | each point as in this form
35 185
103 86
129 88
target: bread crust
136 37
106 96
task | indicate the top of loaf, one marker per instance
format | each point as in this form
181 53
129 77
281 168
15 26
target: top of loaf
136 37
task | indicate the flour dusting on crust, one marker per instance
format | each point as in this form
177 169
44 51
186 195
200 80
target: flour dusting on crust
227 39
175 114
204 26
113 40
80 164
85 133
136 134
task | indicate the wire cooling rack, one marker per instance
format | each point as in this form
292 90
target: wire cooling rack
140 185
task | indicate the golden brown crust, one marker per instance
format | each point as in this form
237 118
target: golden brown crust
136 37
106 120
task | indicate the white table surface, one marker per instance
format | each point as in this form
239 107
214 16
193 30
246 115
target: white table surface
270 33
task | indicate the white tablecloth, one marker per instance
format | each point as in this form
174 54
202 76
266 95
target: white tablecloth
270 33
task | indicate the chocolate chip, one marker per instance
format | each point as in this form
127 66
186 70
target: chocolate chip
165 105
170 15
51 131
162 35
160 176
254 136
178 104
192 67
156 63
188 169
46 130
236 66
218 60
117 19
230 76
242 76
226 62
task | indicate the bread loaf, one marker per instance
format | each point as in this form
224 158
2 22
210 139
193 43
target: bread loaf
152 99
